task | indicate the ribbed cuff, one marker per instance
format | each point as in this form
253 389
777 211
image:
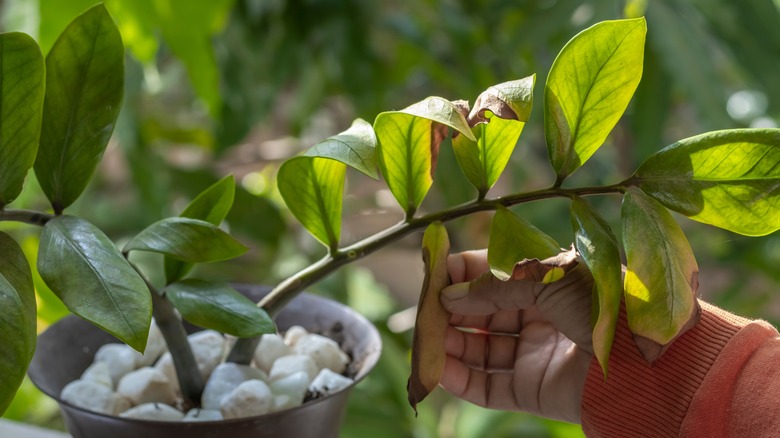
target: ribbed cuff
641 400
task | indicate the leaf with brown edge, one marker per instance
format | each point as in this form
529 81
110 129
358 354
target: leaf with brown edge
545 271
511 100
428 355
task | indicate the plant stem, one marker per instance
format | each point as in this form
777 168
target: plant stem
187 373
25 216
288 289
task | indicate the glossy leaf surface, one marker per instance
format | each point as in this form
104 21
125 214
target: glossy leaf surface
219 307
87 272
22 80
355 147
483 161
408 146
428 354
662 274
598 248
17 318
730 179
313 188
513 239
84 89
588 89
212 205
188 240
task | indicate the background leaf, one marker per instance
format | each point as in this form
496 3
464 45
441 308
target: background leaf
86 271
21 104
313 188
483 161
662 274
428 355
513 239
219 307
188 240
17 318
212 205
84 88
598 248
730 179
588 89
355 147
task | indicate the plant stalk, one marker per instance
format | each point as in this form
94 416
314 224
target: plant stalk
283 293
25 216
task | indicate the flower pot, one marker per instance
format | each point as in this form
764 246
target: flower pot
66 349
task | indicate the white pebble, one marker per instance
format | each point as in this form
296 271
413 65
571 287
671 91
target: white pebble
147 385
121 359
293 334
98 372
286 365
155 347
207 346
154 411
325 352
250 398
165 366
327 382
95 397
197 414
270 348
293 387
225 378
283 401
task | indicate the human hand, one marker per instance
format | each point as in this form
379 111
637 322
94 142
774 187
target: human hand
517 345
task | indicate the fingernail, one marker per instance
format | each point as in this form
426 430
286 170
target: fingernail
455 291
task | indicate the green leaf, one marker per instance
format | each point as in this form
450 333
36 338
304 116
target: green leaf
598 248
17 318
513 239
661 276
21 107
483 161
730 179
313 188
588 89
84 88
219 307
408 145
355 147
188 240
86 271
511 100
212 205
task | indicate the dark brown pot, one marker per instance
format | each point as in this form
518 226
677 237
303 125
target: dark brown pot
66 349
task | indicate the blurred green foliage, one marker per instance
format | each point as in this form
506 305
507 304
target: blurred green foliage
234 86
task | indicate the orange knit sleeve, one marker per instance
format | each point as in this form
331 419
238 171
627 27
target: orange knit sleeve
720 379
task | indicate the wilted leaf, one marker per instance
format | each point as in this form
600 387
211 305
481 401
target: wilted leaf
84 88
21 104
513 239
17 318
86 271
212 205
428 355
588 89
219 307
511 100
661 277
598 248
408 145
730 179
355 147
188 240
313 189
483 161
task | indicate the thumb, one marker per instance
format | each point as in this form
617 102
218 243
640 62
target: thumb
486 295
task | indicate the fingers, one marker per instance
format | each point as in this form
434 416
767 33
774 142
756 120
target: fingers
486 294
492 390
465 266
481 351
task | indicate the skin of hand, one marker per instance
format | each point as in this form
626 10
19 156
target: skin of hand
517 345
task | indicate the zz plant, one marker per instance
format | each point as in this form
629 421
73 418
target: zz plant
729 179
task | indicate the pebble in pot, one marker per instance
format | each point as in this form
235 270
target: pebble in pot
225 378
154 411
250 398
147 385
